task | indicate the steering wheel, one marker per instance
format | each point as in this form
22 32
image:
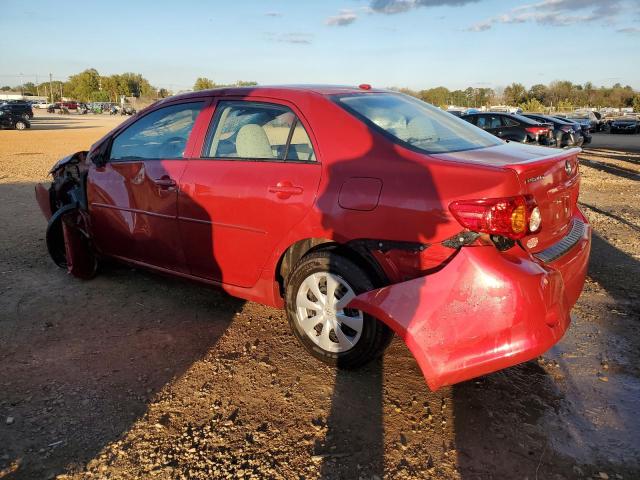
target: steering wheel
173 147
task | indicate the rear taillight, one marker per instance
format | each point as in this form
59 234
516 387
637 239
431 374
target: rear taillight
510 217
537 130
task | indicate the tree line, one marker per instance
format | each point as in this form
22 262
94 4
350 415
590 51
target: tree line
557 95
90 86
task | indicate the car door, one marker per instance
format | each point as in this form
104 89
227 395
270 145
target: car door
256 178
133 196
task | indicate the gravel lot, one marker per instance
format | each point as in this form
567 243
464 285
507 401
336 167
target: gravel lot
135 375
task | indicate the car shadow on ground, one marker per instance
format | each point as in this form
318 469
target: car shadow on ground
611 169
75 378
607 154
62 123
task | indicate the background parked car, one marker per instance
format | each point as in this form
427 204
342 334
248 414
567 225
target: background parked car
584 118
70 105
564 132
602 124
626 124
512 127
19 108
583 127
127 110
41 105
10 120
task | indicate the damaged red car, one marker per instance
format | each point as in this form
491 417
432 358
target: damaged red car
362 212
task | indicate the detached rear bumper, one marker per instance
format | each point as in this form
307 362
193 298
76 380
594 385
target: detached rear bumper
484 311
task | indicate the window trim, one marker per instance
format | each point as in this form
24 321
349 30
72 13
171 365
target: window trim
135 119
215 118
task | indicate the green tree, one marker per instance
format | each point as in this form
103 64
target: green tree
539 92
564 106
515 94
6 88
636 103
532 105
82 85
203 83
436 96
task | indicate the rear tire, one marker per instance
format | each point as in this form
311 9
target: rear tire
346 338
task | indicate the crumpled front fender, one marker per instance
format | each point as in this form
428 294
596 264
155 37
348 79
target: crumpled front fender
483 312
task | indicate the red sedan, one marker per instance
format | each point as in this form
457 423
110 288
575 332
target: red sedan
362 212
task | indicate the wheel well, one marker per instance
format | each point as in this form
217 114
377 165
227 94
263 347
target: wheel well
358 255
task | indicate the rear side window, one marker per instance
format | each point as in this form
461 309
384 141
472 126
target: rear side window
162 134
509 122
416 124
257 131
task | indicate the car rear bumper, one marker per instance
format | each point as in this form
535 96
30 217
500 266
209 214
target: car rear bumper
484 311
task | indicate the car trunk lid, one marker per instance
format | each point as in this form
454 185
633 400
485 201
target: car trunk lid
550 176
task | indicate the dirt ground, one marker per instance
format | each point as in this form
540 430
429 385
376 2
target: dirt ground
135 375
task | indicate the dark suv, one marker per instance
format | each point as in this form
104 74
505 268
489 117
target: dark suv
512 127
18 108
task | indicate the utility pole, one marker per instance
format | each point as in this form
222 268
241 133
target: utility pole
51 88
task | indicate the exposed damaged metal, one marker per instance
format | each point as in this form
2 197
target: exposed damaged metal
461 239
64 203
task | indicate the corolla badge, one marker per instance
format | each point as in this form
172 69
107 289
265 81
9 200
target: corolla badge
534 179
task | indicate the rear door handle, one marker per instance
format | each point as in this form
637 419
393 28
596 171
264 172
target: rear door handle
285 189
165 182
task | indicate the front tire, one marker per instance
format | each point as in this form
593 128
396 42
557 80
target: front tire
20 125
317 291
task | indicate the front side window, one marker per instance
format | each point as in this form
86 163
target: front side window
162 134
257 131
415 123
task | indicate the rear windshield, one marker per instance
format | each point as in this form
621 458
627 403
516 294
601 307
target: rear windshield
523 119
416 124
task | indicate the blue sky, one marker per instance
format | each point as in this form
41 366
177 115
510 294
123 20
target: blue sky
413 43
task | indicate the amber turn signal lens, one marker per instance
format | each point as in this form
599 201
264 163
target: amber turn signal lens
519 219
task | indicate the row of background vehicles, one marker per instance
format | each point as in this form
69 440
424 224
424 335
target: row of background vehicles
84 108
16 114
557 130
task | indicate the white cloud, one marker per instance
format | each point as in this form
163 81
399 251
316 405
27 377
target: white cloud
293 37
559 13
344 18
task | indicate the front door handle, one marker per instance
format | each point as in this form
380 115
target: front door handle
285 189
165 182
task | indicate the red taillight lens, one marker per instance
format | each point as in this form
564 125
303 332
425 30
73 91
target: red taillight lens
537 130
508 216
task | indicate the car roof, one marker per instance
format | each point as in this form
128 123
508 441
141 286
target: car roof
277 91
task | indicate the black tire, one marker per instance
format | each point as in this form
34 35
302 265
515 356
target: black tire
375 336
20 125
